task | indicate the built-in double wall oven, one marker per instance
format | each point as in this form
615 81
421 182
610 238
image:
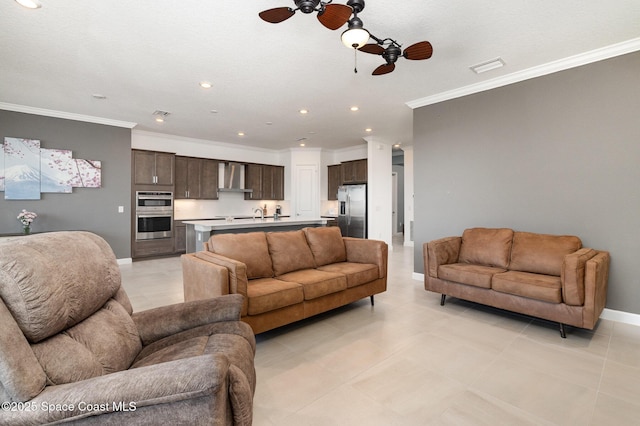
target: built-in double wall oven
154 215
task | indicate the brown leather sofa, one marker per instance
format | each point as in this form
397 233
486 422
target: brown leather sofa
286 276
546 276
72 351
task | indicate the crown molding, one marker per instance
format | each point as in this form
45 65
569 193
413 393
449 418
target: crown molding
596 55
66 115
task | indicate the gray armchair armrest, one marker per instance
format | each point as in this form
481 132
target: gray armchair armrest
155 324
130 390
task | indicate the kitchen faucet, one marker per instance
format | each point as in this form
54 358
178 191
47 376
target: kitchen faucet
258 210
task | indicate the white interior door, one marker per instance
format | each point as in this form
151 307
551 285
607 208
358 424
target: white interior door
307 198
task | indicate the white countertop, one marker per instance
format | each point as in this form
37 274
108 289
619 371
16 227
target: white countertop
212 225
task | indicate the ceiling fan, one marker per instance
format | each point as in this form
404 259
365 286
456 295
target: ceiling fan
332 16
393 51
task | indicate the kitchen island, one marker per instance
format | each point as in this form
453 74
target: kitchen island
199 231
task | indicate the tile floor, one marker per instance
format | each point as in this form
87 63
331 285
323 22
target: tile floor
409 361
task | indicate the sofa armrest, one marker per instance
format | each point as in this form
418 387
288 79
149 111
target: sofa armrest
440 252
596 279
572 276
206 267
130 390
202 279
368 251
158 323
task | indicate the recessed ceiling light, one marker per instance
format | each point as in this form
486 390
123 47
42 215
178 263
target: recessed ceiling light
487 66
304 111
160 115
31 4
354 108
213 111
302 144
269 123
98 96
312 133
240 133
205 85
368 129
396 145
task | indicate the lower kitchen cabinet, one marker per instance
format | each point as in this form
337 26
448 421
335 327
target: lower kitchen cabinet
148 248
180 237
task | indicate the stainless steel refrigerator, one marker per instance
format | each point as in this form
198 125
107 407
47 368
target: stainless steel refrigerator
352 210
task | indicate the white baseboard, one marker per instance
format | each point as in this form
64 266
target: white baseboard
621 316
125 261
608 314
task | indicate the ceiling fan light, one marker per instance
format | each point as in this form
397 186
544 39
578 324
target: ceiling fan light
355 38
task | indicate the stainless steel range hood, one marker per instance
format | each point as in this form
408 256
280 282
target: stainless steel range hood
232 178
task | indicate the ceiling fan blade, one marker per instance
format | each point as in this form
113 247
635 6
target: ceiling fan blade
372 48
335 15
276 15
418 51
384 69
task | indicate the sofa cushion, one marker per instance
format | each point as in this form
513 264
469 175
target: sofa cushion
534 286
541 253
250 248
316 283
269 294
289 252
475 275
356 273
326 244
486 246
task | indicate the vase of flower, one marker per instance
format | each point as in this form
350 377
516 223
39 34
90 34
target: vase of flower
26 218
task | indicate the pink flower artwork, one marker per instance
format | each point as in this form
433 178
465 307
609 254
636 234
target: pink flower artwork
56 170
86 174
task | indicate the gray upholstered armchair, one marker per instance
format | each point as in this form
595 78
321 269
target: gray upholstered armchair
72 351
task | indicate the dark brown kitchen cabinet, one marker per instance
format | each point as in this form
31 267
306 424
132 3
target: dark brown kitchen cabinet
209 179
266 181
180 236
153 168
253 181
187 177
354 171
334 181
196 178
272 182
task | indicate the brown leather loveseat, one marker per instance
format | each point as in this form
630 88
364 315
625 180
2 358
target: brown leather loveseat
546 276
286 276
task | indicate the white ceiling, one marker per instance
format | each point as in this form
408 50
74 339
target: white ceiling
148 55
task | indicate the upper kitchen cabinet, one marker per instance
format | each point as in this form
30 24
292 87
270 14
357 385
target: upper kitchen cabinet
334 174
272 182
153 168
354 171
267 182
253 181
209 179
196 178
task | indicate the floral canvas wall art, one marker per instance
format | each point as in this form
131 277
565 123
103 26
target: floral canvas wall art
87 174
27 170
21 169
56 166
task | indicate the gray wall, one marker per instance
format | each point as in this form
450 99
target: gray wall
558 154
90 209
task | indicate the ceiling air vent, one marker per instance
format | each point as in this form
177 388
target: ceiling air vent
487 66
